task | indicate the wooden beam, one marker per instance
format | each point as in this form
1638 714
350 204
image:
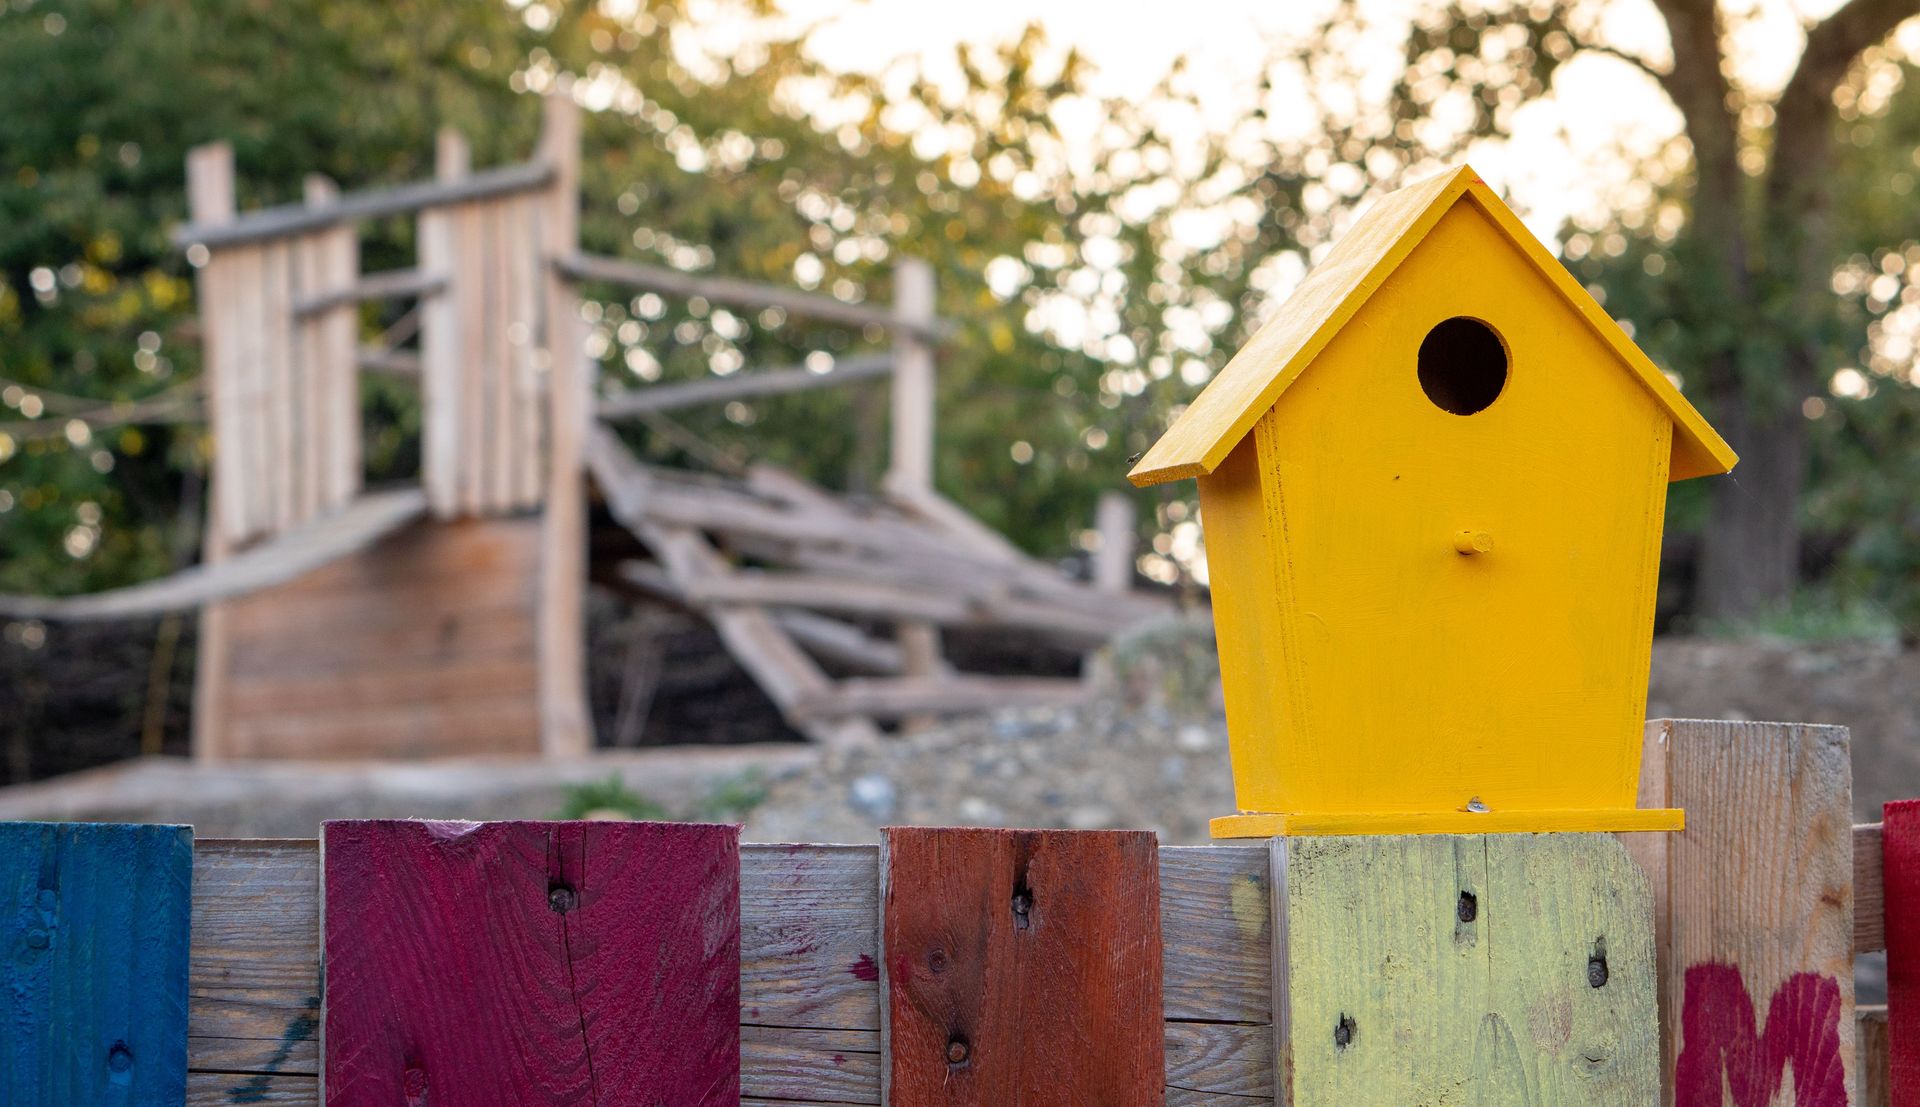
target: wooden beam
954 694
729 291
210 201
566 725
288 220
393 284
741 386
911 461
1115 524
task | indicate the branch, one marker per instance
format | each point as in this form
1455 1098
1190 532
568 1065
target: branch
1834 42
1628 56
1804 113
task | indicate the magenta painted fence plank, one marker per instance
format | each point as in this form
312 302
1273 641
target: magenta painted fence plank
531 964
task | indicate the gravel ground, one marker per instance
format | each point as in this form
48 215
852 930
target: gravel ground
1149 750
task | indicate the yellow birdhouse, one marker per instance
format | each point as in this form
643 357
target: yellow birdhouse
1432 488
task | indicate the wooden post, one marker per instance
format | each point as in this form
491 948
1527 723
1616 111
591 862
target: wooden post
1504 968
210 201
531 963
95 934
565 726
1753 908
1020 966
1113 521
444 391
911 469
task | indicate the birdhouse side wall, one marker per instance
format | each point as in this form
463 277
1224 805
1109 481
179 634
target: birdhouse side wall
1246 568
1418 671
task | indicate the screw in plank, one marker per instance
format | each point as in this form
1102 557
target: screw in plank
1597 965
119 1057
1469 908
562 898
38 939
958 1051
1022 908
1343 1032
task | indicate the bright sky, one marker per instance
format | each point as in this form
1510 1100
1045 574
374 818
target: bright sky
1564 157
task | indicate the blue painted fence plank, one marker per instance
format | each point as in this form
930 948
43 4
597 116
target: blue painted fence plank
93 992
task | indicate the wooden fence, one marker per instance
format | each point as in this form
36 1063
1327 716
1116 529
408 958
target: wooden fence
954 966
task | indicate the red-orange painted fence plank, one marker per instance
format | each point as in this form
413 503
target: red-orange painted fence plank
1900 861
1022 966
531 964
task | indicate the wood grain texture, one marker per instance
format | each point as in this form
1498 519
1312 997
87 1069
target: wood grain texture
420 645
810 993
1021 967
1869 902
1900 854
94 920
1755 903
1498 969
1870 1029
523 964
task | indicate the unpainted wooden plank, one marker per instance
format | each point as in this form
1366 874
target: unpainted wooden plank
280 456
1021 967
1216 926
531 963
566 727
1756 970
253 1001
227 1089
386 686
440 357
1869 902
1870 1030
527 274
469 728
94 919
1484 969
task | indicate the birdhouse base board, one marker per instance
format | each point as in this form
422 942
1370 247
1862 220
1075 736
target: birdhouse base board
1307 825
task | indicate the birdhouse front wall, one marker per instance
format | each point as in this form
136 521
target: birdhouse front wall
1425 611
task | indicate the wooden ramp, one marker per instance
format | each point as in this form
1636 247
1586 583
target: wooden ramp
791 575
277 560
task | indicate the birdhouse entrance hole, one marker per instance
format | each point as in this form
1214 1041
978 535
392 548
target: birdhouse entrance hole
1463 365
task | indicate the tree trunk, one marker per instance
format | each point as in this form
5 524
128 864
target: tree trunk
1749 555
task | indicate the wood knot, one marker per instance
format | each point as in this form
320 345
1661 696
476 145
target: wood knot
1343 1032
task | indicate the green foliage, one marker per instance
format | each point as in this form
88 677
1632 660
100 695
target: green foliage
1815 615
730 799
609 798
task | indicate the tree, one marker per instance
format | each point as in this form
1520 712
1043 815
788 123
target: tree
1756 327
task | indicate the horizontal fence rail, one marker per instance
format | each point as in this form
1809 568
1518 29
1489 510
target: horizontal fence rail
292 219
743 386
739 293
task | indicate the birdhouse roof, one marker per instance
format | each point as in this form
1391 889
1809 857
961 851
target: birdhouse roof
1359 263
